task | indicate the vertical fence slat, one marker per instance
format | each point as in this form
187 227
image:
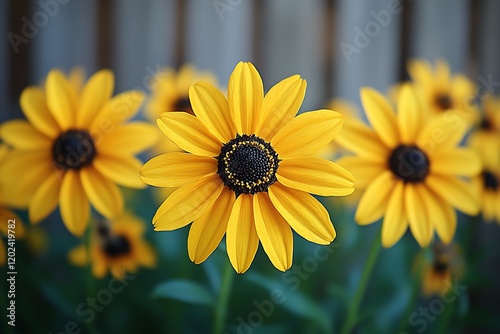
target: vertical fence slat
4 62
440 30
142 41
218 35
68 39
292 43
367 52
489 44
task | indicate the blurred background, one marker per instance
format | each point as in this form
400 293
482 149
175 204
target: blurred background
337 46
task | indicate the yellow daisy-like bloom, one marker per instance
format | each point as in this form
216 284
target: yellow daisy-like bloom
445 266
486 142
410 166
170 93
249 170
74 148
116 246
443 91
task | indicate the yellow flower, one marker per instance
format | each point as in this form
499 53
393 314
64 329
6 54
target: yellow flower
170 93
445 266
249 170
74 148
410 167
117 246
486 142
443 91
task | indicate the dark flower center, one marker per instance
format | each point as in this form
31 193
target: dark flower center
115 246
486 124
490 181
409 163
443 101
73 149
183 104
440 267
247 164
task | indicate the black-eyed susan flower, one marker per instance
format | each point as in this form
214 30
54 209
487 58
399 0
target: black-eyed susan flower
446 265
248 170
410 167
117 246
443 91
74 148
486 142
169 92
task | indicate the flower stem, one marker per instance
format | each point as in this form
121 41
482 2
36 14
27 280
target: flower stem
352 312
222 301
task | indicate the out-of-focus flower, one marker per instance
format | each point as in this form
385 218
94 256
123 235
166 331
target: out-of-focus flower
486 142
412 176
446 265
75 148
443 91
117 246
249 170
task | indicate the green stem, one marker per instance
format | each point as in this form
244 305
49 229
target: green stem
222 301
352 314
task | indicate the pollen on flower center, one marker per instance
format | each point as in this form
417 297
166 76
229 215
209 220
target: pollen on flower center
490 181
115 246
247 164
73 149
444 102
440 266
409 163
183 104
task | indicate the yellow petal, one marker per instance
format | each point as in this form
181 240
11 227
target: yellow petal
316 176
245 94
76 79
458 161
3 253
307 133
280 106
102 193
381 115
177 169
34 106
212 109
22 135
442 132
61 99
94 96
117 110
395 222
373 203
421 72
442 74
45 198
147 255
303 213
74 204
187 203
361 140
26 171
189 133
241 237
273 231
128 139
454 191
123 170
416 213
442 216
364 170
78 256
207 231
411 114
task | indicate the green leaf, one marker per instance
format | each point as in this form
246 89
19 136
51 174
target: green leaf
185 291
